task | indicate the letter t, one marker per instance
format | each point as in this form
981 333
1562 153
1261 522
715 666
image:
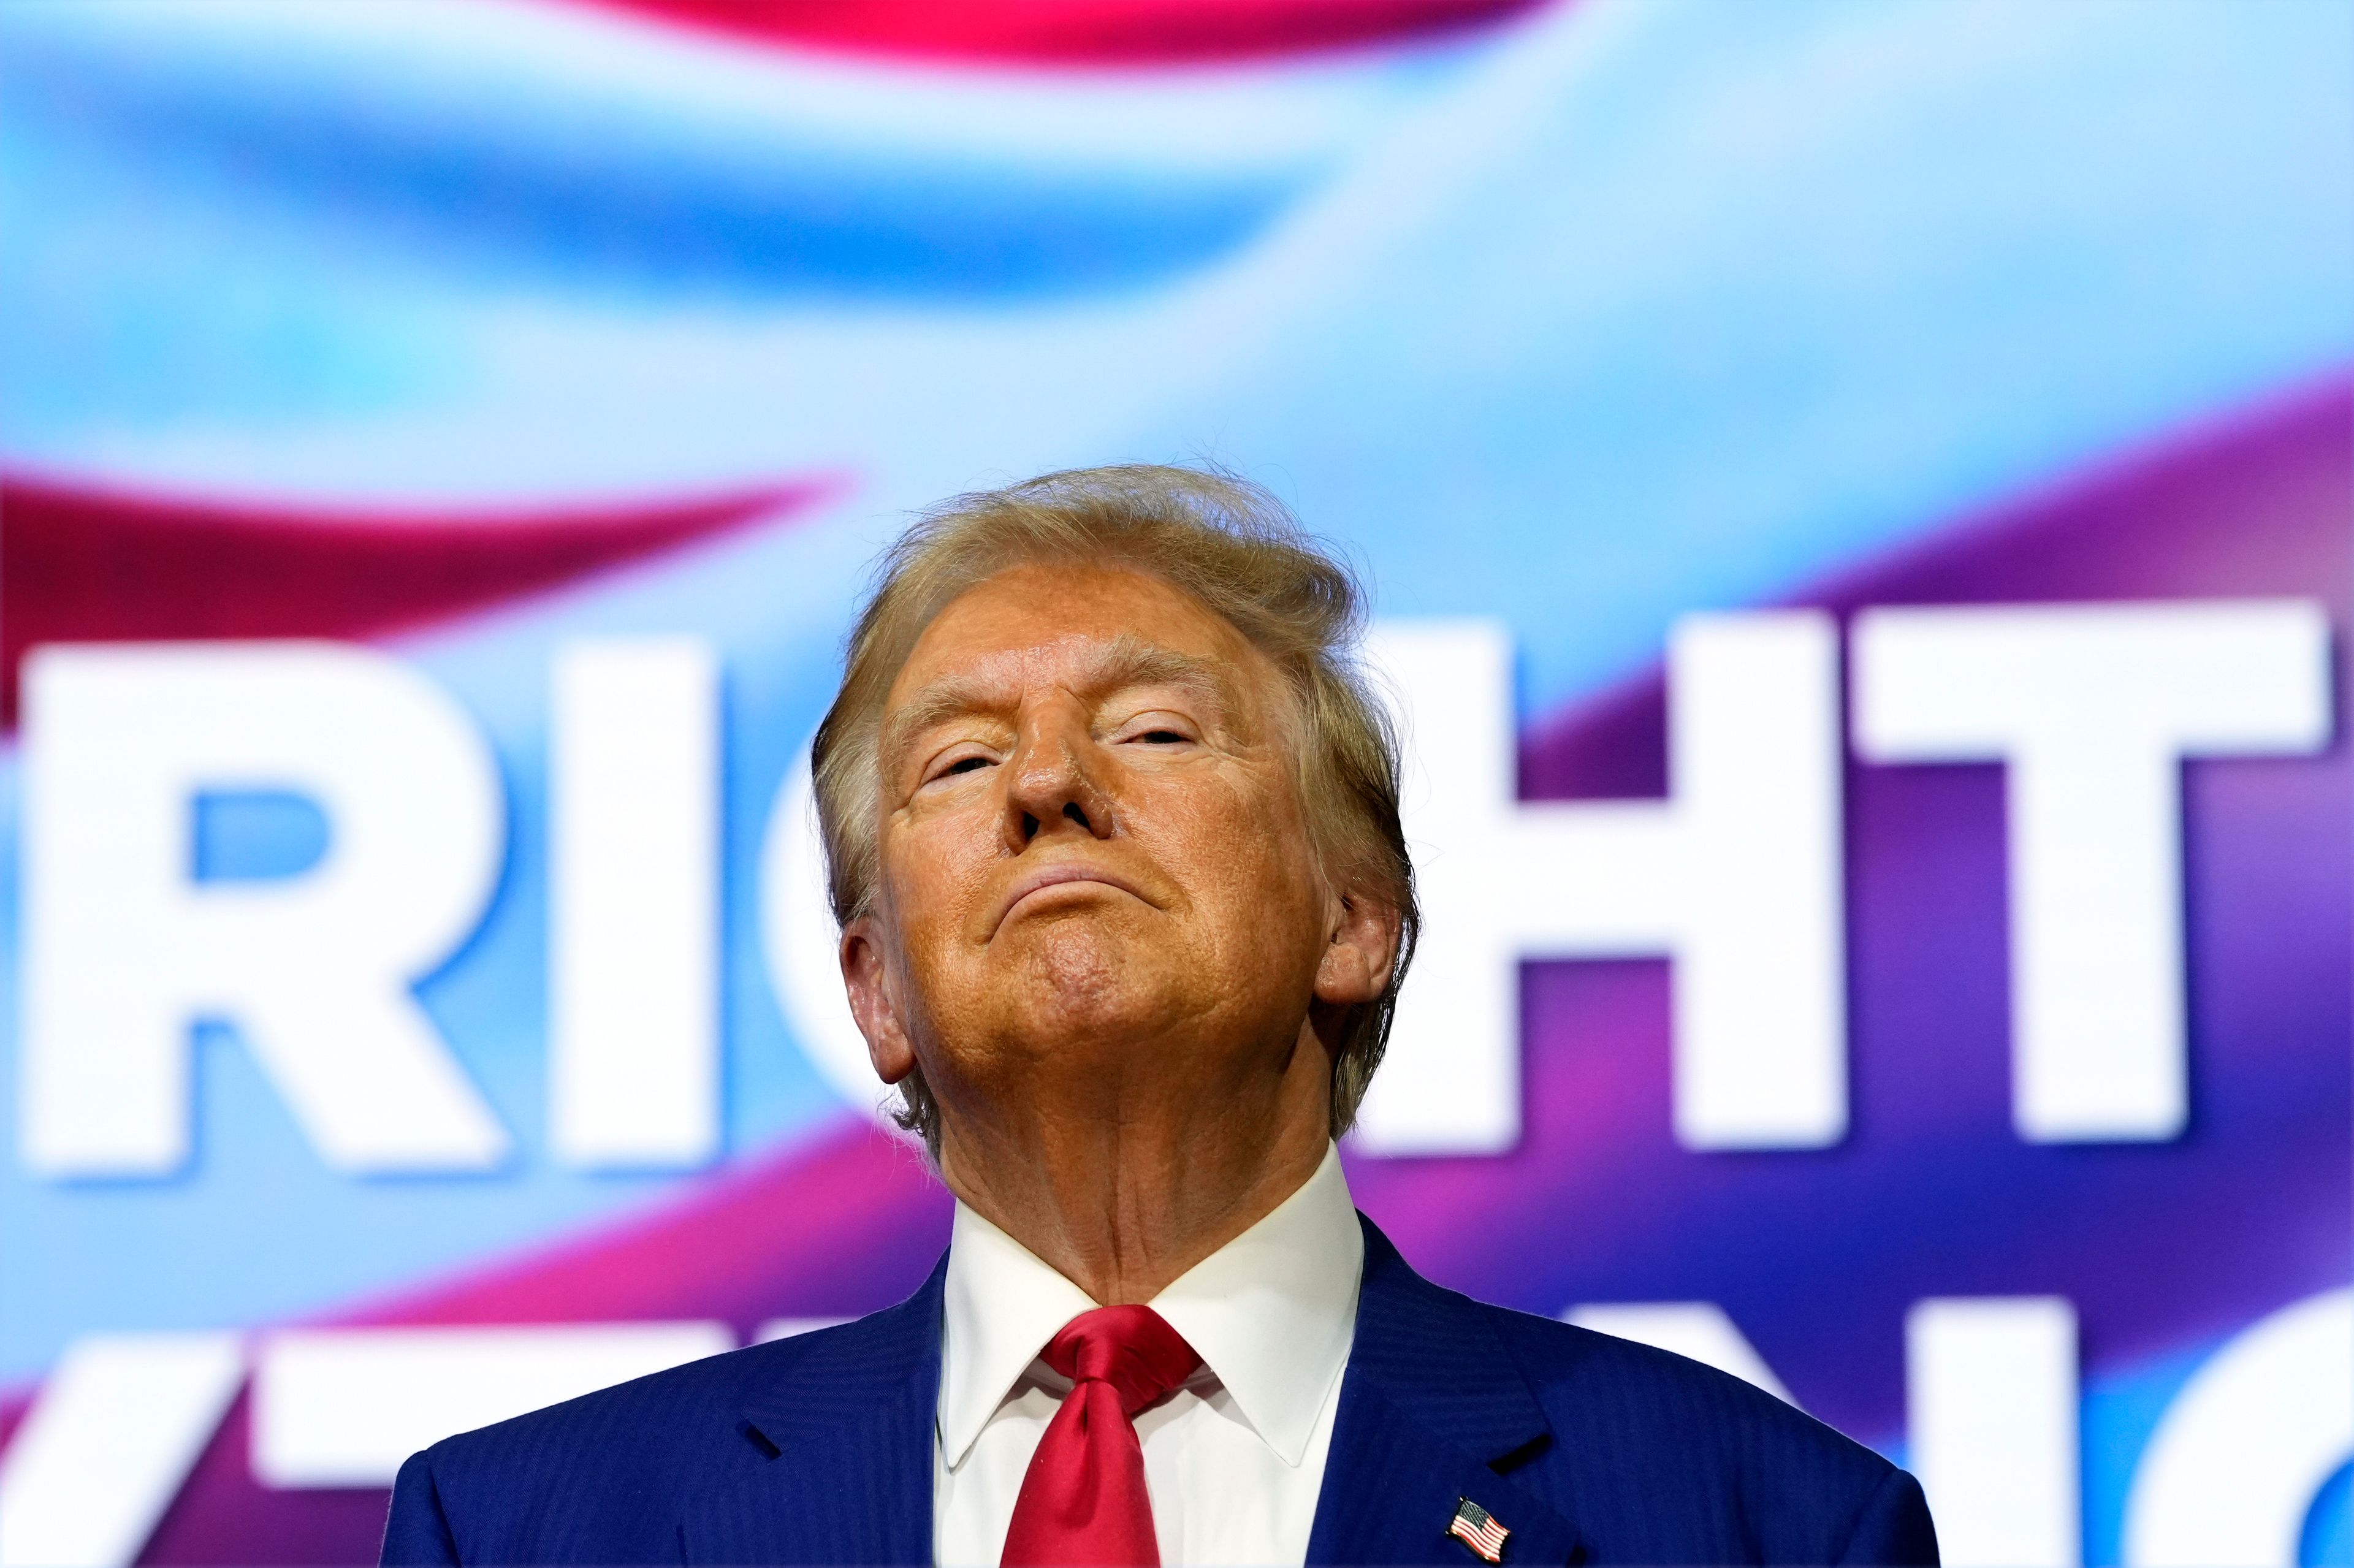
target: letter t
2093 708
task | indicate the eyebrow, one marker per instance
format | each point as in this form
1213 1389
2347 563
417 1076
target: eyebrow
1126 661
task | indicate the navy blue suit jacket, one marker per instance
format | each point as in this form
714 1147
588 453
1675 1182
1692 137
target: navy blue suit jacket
818 1449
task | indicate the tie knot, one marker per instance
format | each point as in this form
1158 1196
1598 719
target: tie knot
1133 1349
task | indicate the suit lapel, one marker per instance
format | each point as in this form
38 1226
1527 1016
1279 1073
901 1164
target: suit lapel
1433 1410
836 1465
836 1448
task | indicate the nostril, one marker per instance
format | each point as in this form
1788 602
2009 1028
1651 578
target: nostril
1071 810
1029 826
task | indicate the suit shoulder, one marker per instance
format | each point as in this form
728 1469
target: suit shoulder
657 1403
1604 1376
584 1479
1667 1414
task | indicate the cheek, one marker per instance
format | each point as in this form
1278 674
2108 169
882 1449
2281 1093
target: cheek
1236 840
936 865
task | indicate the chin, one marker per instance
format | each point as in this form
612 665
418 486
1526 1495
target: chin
1071 982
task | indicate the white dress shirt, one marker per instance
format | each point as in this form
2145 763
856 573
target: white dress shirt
1233 1460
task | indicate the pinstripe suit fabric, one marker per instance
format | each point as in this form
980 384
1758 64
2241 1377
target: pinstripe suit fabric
818 1449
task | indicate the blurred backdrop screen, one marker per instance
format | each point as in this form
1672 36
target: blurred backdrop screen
1857 501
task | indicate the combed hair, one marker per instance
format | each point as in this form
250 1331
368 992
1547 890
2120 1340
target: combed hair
1235 548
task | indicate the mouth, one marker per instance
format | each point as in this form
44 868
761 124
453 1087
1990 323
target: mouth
1047 876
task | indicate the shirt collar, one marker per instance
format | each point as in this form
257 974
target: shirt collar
999 1304
1272 1313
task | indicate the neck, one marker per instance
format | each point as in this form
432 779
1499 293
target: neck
1121 1198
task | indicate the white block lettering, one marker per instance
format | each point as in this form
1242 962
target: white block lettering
2232 1469
633 903
123 949
1737 875
109 1440
1990 1397
1699 1330
800 943
788 1328
342 1407
2092 709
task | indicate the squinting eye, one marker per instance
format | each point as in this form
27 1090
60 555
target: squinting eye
963 765
1163 736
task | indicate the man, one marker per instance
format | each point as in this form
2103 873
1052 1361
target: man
1112 832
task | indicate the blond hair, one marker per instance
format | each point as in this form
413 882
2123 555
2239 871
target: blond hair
1237 549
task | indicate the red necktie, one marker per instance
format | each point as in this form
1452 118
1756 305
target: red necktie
1083 1500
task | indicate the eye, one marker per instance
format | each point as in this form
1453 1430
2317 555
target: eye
1148 724
1143 731
965 762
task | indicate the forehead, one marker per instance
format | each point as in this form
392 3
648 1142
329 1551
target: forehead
1046 624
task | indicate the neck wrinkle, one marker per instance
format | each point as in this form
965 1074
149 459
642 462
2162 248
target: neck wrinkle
1123 1215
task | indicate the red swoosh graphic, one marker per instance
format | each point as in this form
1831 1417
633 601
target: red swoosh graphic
86 565
1080 32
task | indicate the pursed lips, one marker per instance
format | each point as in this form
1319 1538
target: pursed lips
1047 876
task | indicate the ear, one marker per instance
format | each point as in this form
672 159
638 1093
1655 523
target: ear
865 973
1355 968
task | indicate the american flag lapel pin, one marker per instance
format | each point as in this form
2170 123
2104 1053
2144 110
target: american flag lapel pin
1476 1528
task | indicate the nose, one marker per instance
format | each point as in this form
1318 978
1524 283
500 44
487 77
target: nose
1050 786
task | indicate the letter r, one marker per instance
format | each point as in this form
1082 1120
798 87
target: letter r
123 949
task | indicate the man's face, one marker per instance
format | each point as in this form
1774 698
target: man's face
1096 880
